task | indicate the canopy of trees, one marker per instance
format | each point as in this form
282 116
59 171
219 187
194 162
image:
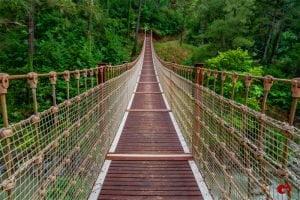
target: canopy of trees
45 35
58 35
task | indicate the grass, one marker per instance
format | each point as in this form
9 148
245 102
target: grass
174 52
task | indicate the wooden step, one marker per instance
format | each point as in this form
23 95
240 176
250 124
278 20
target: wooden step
165 157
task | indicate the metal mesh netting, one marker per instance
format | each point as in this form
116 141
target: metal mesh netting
58 153
242 154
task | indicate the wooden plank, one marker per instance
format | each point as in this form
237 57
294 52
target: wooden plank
115 156
142 197
148 110
150 82
148 92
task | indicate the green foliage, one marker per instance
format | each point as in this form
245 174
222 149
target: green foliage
68 35
239 61
232 60
173 51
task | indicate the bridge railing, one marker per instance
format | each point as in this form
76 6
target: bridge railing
254 91
242 153
57 153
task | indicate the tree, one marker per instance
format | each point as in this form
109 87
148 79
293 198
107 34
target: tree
137 27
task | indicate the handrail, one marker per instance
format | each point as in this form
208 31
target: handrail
242 153
58 153
206 76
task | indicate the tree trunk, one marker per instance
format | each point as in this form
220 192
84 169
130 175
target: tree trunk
90 27
137 28
30 36
267 45
128 17
277 33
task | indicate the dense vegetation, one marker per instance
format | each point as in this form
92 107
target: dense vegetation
46 35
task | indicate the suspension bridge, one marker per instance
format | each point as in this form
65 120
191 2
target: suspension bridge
149 129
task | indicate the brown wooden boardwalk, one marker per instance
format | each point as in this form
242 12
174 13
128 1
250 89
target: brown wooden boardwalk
149 130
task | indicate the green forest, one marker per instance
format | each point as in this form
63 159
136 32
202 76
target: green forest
255 36
43 35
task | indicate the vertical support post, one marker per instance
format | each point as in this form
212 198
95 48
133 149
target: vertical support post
248 82
234 79
101 73
5 134
54 109
289 131
53 79
101 80
197 110
223 78
32 79
200 77
296 97
66 76
215 73
268 82
77 77
85 79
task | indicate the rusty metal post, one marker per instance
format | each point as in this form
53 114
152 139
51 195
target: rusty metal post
223 78
215 74
32 81
53 79
289 132
197 110
5 134
85 78
77 77
268 82
66 76
296 97
35 119
234 79
248 82
199 78
101 74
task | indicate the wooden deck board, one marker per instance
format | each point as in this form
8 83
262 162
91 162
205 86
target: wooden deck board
149 132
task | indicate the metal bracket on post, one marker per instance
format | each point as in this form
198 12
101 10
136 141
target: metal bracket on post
234 79
101 72
33 81
296 97
248 82
268 82
199 73
223 78
53 79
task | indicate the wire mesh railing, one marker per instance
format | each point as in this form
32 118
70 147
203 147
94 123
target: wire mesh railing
58 153
242 153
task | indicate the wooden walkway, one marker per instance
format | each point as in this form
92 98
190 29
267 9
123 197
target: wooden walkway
149 161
